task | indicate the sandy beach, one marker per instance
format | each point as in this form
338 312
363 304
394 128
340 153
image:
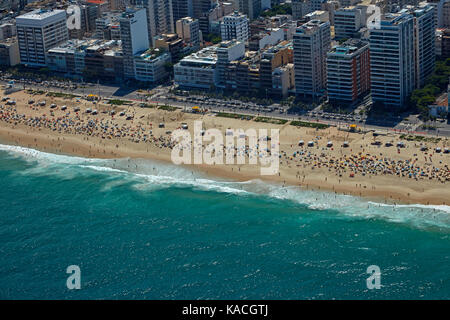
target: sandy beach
406 174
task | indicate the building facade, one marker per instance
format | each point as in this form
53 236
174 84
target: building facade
274 57
392 59
348 72
234 27
9 52
198 70
150 65
134 36
311 43
425 49
38 31
252 8
347 22
159 18
188 29
182 8
88 59
227 51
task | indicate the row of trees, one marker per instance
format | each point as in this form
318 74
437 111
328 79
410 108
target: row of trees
278 9
212 37
420 99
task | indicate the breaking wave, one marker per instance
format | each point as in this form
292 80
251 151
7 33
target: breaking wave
146 175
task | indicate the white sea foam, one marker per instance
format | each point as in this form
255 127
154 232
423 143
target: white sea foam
36 155
103 169
148 175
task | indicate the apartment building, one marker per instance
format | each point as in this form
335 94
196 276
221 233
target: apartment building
300 8
245 73
38 31
207 67
272 58
283 79
227 51
392 59
198 70
348 21
134 36
88 59
235 27
159 18
425 49
348 72
182 8
9 52
171 43
269 37
252 8
7 30
188 29
311 44
150 65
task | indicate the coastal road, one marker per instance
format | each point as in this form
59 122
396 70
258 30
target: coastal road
115 92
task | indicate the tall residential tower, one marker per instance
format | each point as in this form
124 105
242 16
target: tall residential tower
134 36
392 59
38 31
311 44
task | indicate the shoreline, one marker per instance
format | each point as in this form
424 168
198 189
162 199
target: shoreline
307 172
379 196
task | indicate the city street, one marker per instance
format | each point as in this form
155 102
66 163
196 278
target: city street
160 95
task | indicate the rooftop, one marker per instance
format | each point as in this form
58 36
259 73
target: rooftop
207 55
151 54
228 43
235 14
40 14
71 46
349 47
310 26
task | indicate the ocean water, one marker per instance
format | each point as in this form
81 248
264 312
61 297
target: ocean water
146 230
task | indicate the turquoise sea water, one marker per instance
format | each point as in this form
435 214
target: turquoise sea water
145 230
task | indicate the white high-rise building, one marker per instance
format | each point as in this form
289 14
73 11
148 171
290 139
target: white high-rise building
392 62
134 36
312 41
425 37
39 31
234 27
